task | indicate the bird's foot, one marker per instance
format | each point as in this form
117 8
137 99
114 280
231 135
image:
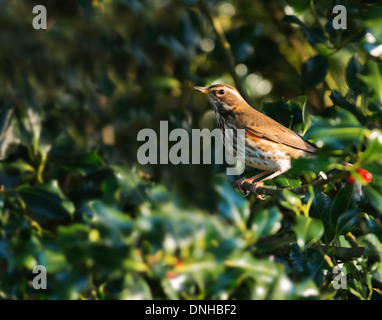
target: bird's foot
255 185
240 183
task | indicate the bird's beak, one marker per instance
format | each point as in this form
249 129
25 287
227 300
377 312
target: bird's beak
202 89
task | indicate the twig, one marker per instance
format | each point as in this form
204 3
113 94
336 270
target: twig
272 190
279 244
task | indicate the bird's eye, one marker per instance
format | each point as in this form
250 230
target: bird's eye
221 92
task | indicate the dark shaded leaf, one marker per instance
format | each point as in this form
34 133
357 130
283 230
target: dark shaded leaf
373 226
353 70
314 71
47 201
106 85
313 35
347 220
374 195
320 208
345 200
83 164
307 263
306 165
344 103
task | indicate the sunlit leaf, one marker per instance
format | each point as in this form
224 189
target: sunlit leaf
373 79
265 223
299 5
308 230
232 205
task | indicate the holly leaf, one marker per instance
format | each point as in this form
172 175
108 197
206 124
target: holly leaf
47 201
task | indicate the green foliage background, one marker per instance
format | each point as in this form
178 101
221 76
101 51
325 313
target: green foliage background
74 198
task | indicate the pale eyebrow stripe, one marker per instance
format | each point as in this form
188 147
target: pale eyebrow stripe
235 93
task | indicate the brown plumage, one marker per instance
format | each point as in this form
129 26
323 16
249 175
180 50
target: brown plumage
269 145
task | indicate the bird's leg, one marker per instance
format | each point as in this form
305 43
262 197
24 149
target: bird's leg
249 180
261 184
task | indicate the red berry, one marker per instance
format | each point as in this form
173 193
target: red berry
350 180
170 275
366 175
179 263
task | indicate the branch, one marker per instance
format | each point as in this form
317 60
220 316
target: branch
332 177
279 245
319 183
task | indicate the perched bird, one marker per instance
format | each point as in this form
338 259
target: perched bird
269 145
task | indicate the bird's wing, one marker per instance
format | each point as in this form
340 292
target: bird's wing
265 127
